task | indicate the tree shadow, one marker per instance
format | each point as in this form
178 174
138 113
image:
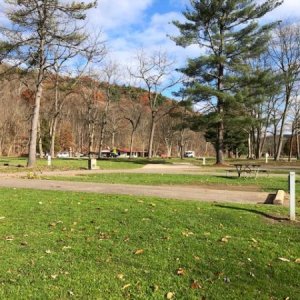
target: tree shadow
257 212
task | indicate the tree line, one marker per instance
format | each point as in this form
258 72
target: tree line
60 83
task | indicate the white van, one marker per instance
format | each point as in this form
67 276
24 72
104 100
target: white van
189 153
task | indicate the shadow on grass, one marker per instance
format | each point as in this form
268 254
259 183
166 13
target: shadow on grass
268 216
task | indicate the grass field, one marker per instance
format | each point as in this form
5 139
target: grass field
123 163
268 184
18 164
57 245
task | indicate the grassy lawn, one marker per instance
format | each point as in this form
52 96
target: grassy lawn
17 164
268 184
57 245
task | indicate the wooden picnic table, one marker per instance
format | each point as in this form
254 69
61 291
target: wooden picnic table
247 169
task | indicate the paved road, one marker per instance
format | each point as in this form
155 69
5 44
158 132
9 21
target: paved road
170 192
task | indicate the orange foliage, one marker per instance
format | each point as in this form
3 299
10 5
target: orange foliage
28 96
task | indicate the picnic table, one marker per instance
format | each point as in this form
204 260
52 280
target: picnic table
248 169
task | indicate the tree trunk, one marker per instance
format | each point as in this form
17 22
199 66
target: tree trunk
297 143
103 125
275 140
153 123
34 123
37 104
291 143
249 146
53 136
91 138
40 141
279 148
113 138
131 143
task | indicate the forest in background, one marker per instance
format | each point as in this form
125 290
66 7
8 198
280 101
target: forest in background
62 90
79 115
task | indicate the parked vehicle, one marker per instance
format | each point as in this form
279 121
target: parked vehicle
189 153
63 154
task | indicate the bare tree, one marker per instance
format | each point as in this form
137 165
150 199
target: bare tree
38 28
284 51
64 83
108 79
155 74
88 89
133 110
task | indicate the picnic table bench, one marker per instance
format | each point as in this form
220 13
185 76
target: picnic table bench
247 169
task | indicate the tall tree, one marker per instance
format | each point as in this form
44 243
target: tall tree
231 35
284 52
154 73
37 29
108 78
132 112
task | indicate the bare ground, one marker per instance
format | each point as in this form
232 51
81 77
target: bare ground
218 193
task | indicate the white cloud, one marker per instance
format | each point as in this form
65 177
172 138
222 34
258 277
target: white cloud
288 11
118 14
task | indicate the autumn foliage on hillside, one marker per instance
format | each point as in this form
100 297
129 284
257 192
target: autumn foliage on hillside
79 110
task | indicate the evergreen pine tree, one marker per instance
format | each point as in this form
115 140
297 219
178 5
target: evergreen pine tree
230 33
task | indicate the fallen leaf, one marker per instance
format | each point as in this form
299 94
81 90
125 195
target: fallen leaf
226 279
126 286
120 276
170 295
66 247
180 271
139 251
283 259
196 257
297 261
9 238
251 274
196 285
155 288
187 233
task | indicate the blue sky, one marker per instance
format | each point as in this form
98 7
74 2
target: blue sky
129 25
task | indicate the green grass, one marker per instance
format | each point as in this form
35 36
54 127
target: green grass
58 245
17 164
268 184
